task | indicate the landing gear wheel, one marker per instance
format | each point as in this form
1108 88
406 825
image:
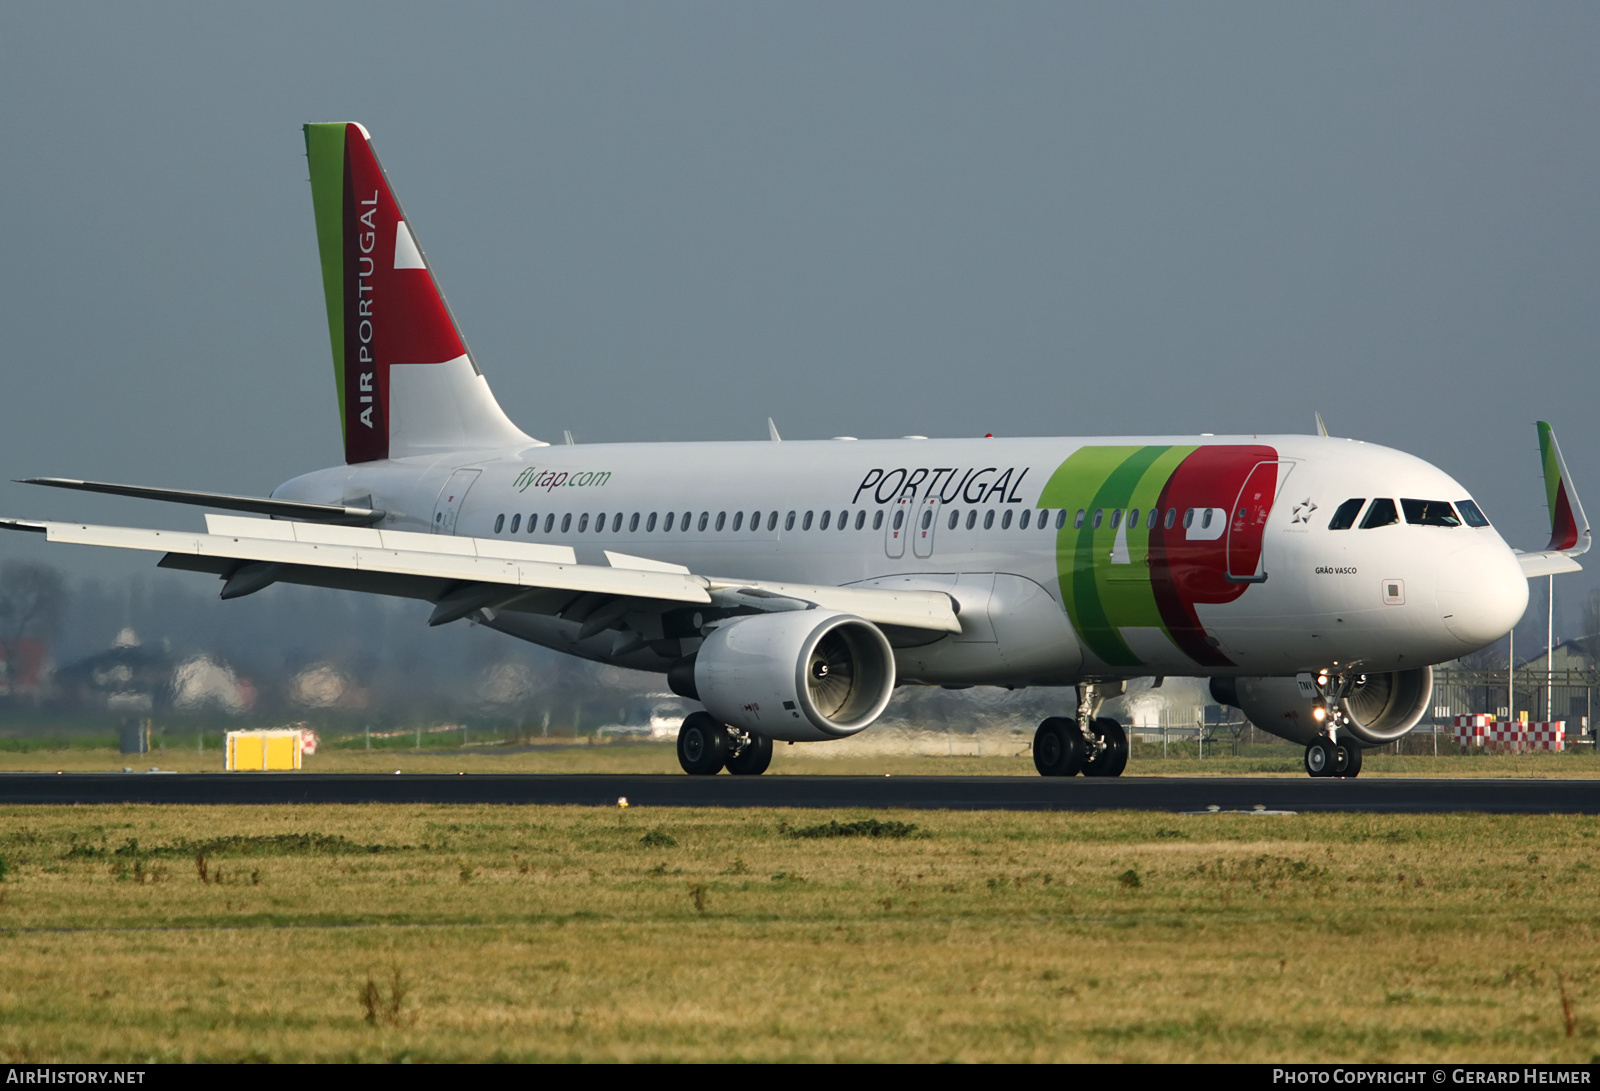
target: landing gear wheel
1058 748
702 745
1112 758
1321 757
752 758
1346 760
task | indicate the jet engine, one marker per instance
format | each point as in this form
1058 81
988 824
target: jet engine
799 676
1378 709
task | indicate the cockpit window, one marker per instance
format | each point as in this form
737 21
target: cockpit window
1345 517
1382 514
1471 513
1429 513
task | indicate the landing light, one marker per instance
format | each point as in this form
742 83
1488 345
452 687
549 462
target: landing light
1319 714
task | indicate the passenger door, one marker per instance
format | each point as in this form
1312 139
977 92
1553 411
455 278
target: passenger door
927 523
448 506
1247 521
898 526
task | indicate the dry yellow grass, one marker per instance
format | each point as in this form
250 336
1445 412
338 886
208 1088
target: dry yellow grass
571 933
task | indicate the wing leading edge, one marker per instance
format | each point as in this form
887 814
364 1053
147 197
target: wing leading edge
462 575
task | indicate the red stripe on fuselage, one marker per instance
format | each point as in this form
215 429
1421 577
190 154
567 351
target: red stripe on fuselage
1185 572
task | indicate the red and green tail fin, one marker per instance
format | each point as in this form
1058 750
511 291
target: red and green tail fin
407 383
1569 528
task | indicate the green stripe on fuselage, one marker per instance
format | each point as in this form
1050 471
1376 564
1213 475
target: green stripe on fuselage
1102 591
325 154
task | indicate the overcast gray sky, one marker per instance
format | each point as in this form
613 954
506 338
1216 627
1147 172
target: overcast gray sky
668 221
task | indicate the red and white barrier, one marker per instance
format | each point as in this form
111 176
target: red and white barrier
1510 736
1470 730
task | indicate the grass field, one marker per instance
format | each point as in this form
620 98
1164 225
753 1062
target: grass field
481 933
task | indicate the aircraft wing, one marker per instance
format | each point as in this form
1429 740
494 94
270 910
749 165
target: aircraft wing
462 575
1547 562
1569 527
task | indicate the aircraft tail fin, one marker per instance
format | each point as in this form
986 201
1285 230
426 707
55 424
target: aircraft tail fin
1569 527
406 380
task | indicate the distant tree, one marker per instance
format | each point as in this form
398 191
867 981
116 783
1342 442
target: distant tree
32 599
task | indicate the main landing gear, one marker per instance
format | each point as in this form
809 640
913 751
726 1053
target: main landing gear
1335 753
706 747
1061 748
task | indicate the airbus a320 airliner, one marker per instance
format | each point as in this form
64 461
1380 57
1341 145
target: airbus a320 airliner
790 586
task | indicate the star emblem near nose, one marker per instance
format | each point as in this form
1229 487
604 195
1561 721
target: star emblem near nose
1303 510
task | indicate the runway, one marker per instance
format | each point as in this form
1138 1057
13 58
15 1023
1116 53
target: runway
1172 794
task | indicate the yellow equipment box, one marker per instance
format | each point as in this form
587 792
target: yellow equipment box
263 750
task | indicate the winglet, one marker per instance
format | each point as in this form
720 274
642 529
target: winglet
1569 528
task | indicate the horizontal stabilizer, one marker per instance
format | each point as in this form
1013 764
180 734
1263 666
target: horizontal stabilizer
261 505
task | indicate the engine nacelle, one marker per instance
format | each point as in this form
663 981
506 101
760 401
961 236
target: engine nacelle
799 676
1380 709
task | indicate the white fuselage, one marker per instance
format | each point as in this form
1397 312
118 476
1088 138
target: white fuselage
1050 605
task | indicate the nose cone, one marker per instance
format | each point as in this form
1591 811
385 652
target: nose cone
1481 592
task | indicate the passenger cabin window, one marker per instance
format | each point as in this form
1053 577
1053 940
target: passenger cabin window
1471 514
1429 513
1005 520
549 522
738 520
672 517
1099 515
633 523
1382 514
755 520
650 523
805 524
499 523
1077 520
988 519
877 519
772 521
861 519
955 517
686 516
566 522
1172 517
788 522
1061 518
1345 517
1027 514
722 518
972 518
705 520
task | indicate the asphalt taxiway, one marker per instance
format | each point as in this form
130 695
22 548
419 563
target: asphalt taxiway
1172 794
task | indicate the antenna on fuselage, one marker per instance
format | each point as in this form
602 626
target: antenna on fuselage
772 431
570 441
1322 429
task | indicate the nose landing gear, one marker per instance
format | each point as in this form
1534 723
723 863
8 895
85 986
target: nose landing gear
1331 755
